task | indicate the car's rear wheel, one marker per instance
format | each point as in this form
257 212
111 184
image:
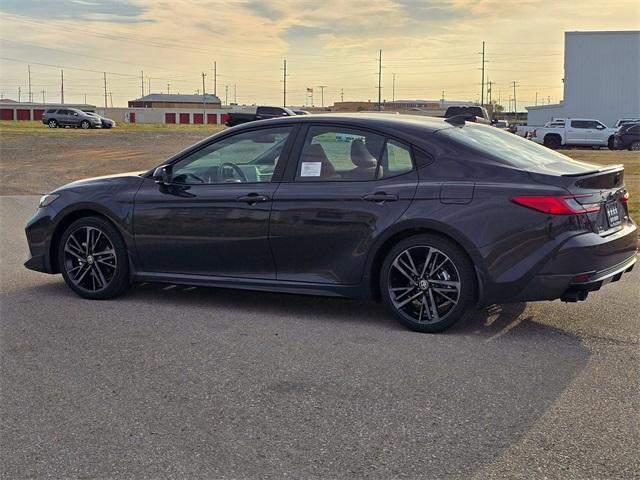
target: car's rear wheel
635 146
428 282
93 259
552 141
52 123
610 143
85 124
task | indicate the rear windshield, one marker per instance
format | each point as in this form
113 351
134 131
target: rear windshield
514 150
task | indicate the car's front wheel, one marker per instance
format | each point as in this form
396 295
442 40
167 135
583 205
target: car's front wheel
635 146
428 282
85 124
93 259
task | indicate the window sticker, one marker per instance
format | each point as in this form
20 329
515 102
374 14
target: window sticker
310 169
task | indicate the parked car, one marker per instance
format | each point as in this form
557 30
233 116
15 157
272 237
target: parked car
431 216
503 124
69 117
474 113
582 132
522 130
627 137
250 114
104 122
624 121
301 112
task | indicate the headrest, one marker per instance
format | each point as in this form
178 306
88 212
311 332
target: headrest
360 156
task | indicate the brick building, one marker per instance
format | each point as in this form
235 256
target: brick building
175 100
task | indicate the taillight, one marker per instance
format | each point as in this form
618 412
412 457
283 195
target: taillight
557 204
625 198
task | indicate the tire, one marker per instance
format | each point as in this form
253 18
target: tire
610 144
552 142
635 146
399 283
52 123
85 124
100 272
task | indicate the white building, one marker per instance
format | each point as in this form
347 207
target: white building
601 78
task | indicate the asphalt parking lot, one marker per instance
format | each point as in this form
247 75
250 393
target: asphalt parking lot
175 382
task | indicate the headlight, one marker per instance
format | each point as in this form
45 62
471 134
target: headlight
47 200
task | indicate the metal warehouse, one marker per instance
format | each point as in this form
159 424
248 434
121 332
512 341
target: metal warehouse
601 78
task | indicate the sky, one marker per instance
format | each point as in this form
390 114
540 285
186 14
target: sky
430 47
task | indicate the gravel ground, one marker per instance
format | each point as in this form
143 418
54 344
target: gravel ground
175 382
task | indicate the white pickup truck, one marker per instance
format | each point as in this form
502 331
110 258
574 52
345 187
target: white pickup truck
579 132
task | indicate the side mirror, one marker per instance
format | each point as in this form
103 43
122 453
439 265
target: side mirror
75 114
600 127
162 175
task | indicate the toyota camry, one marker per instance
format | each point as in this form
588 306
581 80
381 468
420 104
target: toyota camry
430 216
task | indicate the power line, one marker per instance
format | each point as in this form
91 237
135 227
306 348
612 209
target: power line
380 81
322 87
482 91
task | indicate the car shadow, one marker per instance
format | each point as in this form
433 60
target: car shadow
342 383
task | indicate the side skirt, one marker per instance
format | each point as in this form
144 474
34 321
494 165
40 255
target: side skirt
316 289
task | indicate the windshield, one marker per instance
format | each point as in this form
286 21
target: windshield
513 150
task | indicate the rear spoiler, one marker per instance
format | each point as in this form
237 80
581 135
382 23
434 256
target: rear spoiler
608 168
459 120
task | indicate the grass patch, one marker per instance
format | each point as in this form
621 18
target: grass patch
36 127
631 162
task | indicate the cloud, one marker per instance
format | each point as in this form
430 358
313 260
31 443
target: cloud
117 11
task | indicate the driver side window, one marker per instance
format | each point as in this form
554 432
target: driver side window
248 157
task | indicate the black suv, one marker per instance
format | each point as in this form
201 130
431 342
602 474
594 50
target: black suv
70 117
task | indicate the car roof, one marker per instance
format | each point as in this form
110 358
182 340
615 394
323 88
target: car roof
373 120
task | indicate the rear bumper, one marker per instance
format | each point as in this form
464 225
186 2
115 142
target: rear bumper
572 269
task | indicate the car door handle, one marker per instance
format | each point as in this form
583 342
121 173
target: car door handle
380 197
253 198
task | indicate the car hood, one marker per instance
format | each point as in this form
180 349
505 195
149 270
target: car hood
103 180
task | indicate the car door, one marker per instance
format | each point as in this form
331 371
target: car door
347 186
62 116
212 215
575 132
598 134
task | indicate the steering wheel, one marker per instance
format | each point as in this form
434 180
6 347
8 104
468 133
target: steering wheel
235 168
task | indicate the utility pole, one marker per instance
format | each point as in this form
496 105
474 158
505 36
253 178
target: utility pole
226 95
284 88
105 88
62 87
142 82
393 88
204 100
322 87
489 90
442 99
85 98
548 100
215 78
342 94
536 104
515 102
43 97
19 92
30 94
168 85
149 85
235 93
380 81
482 91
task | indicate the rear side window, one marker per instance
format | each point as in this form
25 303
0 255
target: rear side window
397 159
585 124
51 110
511 149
